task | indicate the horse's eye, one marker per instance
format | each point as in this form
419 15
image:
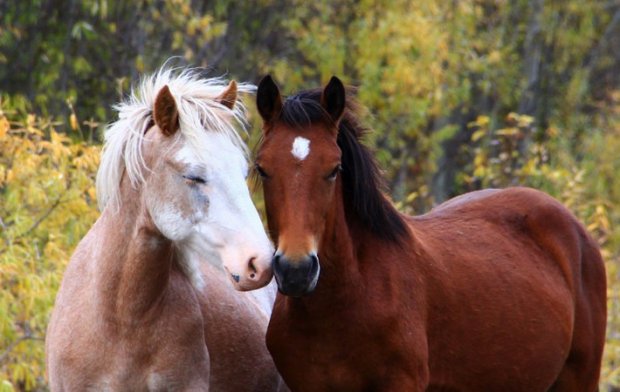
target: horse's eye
195 179
332 176
260 171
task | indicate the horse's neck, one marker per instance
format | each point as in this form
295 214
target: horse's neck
338 255
351 256
133 265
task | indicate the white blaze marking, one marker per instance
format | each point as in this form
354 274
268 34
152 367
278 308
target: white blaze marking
301 148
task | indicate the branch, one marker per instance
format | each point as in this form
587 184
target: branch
41 218
36 224
14 344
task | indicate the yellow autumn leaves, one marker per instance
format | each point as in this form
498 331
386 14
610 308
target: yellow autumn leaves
47 203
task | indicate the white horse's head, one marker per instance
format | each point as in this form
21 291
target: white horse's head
180 148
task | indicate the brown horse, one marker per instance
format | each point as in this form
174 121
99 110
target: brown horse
145 304
497 290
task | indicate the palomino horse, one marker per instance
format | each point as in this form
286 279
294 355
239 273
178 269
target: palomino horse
497 290
145 304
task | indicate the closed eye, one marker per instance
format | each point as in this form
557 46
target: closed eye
195 179
261 172
332 176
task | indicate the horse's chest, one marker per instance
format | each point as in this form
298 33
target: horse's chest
357 357
326 370
165 352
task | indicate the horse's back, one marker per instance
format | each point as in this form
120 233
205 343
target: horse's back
516 276
526 217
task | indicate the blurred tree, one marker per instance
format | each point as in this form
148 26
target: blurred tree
87 52
426 71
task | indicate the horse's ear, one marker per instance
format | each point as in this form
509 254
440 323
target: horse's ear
228 97
165 113
268 99
333 99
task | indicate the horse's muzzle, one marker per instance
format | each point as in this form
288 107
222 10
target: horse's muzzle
296 277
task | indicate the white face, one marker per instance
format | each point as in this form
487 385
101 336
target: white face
200 200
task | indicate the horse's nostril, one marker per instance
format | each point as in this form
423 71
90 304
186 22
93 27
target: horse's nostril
252 268
281 265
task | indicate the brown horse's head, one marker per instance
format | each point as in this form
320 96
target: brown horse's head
299 162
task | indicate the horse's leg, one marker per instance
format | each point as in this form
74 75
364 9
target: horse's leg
575 378
405 381
409 385
582 368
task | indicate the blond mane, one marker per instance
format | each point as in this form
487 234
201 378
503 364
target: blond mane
198 112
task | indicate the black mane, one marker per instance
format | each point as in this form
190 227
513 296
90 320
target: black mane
363 184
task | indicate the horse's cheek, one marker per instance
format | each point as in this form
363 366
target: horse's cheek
170 218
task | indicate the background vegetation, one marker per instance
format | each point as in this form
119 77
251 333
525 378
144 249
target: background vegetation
462 95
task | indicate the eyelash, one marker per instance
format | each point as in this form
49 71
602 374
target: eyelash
195 179
260 171
334 173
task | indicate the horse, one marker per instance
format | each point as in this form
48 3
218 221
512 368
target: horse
146 302
495 290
